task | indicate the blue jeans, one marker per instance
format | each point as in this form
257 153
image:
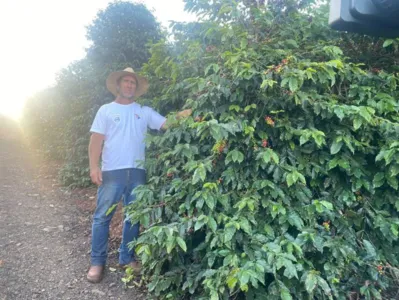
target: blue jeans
116 184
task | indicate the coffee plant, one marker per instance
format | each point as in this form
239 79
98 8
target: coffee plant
283 184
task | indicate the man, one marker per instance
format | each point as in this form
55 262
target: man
121 126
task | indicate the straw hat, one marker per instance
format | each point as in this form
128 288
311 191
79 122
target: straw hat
112 82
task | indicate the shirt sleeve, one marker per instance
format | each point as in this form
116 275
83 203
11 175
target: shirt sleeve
99 123
155 120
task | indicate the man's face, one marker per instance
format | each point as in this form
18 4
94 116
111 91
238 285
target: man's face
127 87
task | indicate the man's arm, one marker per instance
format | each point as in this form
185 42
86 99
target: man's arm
95 146
181 114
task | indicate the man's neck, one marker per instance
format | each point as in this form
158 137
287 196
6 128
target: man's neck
123 100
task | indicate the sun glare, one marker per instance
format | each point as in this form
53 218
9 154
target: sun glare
41 37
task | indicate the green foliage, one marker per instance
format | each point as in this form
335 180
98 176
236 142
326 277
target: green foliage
283 184
120 34
43 116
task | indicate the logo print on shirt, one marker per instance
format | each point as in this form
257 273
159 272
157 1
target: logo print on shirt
117 118
137 116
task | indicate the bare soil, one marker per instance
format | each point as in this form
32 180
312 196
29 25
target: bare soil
45 233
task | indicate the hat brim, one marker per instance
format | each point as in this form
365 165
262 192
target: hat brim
112 83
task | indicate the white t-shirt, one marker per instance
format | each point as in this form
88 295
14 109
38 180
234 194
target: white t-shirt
125 128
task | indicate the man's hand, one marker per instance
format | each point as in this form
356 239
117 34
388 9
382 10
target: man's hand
95 146
184 113
181 114
96 176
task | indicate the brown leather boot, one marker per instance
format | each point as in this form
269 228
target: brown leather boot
95 274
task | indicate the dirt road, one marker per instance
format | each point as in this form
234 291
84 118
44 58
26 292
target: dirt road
44 236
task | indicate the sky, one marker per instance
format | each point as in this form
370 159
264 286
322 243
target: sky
40 37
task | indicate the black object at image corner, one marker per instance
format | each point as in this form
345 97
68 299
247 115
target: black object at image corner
372 17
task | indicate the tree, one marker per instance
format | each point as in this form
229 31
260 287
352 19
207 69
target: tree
283 184
120 35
